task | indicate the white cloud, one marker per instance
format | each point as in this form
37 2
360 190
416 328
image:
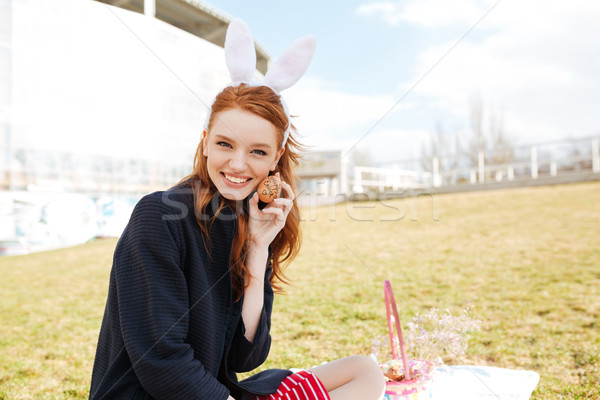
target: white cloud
428 13
332 119
395 146
536 60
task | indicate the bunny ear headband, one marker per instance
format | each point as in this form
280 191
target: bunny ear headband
285 71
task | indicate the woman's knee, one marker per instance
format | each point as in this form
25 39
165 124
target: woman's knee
343 370
364 362
364 365
352 377
369 374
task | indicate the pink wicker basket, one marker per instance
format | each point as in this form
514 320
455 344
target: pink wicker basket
418 388
419 373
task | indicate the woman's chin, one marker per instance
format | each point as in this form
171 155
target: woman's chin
236 195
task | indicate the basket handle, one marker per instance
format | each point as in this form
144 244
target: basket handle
390 302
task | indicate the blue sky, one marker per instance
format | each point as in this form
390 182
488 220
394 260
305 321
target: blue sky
534 64
350 46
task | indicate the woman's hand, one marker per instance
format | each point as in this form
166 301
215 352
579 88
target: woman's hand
265 224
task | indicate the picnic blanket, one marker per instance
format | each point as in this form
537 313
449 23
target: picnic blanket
472 382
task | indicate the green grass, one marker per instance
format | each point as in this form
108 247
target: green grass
527 259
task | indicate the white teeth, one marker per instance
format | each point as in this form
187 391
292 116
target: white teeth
235 180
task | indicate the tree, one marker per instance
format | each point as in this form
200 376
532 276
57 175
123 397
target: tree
500 146
445 147
487 136
478 142
496 145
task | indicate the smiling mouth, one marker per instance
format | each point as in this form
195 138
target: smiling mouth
234 179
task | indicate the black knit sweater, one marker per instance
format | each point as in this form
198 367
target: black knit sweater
171 329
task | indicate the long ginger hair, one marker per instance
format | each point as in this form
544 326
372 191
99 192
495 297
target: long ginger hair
265 103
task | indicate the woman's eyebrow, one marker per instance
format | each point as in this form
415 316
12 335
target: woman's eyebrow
223 137
253 145
261 145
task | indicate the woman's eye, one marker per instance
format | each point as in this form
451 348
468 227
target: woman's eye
223 144
259 152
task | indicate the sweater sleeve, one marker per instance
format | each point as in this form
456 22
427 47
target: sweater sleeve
245 355
154 307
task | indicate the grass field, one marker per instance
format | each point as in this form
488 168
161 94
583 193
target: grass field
528 260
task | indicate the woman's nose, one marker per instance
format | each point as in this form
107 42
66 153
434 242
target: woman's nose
238 161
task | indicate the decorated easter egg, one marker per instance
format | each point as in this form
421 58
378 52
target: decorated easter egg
269 189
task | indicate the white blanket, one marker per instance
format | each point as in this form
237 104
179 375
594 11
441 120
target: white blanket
472 382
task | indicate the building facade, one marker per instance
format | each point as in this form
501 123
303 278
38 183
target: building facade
99 100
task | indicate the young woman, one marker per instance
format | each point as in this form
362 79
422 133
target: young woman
191 288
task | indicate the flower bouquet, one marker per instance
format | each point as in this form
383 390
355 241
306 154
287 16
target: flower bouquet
430 337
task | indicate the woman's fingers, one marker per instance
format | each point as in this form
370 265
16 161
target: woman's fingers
275 211
288 191
254 200
253 204
285 204
265 224
279 207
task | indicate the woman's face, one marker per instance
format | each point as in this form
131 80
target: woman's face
241 149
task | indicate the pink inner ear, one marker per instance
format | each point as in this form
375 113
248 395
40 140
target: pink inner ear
292 64
240 54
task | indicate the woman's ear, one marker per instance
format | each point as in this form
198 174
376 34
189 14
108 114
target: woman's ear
274 166
204 144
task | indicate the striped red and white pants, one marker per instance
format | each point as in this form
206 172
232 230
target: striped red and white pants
303 385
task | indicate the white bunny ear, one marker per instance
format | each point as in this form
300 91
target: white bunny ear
240 54
291 65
